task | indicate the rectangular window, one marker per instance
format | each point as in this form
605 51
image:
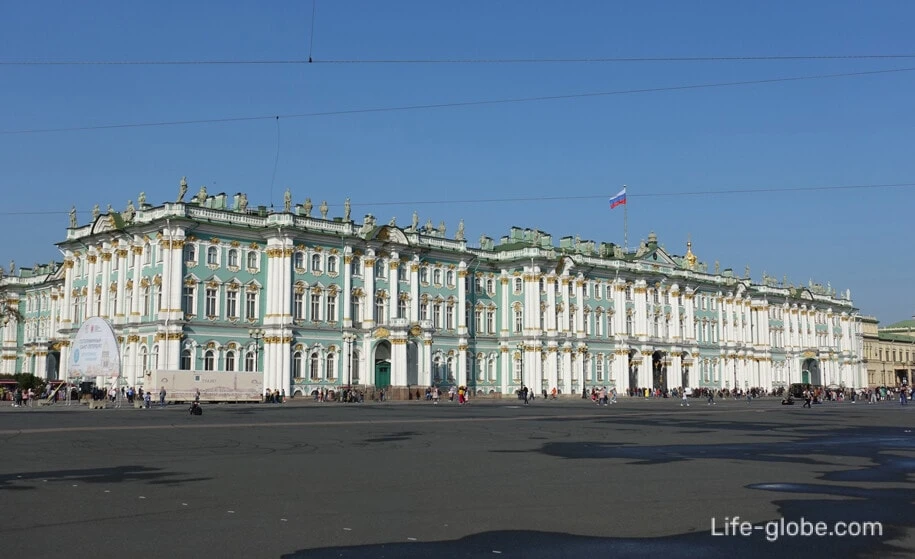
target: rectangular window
189 307
210 302
250 305
298 306
449 317
315 307
491 322
232 304
519 321
331 308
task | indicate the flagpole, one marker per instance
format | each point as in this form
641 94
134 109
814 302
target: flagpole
626 222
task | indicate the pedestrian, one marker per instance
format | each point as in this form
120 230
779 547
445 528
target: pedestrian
435 395
684 401
524 393
613 395
197 396
808 397
147 399
162 397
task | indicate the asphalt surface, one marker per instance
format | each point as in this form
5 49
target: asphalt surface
408 479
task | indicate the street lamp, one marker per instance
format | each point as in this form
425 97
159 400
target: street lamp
521 365
256 334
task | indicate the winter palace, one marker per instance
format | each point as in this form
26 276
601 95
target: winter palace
312 300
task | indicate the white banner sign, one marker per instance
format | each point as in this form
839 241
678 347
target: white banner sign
95 351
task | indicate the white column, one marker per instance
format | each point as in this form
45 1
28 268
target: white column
580 307
676 335
347 288
551 327
92 262
394 288
368 282
136 295
414 294
106 284
640 297
462 299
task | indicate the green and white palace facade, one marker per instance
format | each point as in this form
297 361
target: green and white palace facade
314 301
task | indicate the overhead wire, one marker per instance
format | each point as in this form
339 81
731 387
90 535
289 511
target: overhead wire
559 60
458 104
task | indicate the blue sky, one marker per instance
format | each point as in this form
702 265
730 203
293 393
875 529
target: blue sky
786 135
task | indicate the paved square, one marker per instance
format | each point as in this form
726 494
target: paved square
410 479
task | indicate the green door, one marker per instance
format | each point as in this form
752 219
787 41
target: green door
805 376
382 375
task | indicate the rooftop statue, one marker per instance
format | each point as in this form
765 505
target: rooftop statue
141 199
415 221
460 231
243 202
429 226
393 222
95 212
346 210
202 195
182 189
323 209
12 267
130 211
307 207
73 222
441 228
287 201
110 210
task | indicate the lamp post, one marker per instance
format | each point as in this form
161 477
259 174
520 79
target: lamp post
521 365
256 334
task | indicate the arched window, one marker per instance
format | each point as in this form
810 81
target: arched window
315 263
331 264
250 362
209 360
330 366
357 266
230 360
437 276
155 358
144 359
212 256
314 364
186 360
298 261
424 274
449 278
380 271
491 367
519 283
297 364
232 258
252 260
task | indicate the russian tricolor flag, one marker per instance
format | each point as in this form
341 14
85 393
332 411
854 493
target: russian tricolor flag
619 199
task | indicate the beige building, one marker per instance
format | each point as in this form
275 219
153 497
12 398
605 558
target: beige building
889 352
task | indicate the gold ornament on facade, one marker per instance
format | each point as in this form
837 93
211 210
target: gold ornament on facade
416 330
92 259
113 288
254 246
98 289
252 288
381 333
213 284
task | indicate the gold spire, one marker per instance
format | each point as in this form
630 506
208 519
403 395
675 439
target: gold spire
690 257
